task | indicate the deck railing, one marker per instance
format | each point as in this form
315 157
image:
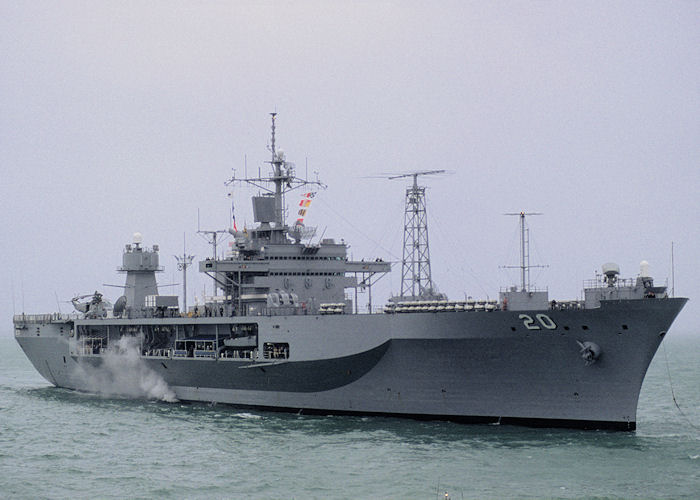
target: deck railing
43 318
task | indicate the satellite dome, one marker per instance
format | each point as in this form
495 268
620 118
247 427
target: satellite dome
138 238
644 269
611 269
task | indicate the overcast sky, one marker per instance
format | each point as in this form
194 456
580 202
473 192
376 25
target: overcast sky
129 116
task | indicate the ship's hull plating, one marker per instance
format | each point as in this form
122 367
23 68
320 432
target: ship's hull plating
474 367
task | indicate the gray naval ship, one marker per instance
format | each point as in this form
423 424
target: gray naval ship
283 330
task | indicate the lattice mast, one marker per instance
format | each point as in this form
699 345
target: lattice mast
416 278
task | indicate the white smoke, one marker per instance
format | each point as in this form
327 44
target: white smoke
124 373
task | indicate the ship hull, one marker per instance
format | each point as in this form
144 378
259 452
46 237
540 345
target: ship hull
500 366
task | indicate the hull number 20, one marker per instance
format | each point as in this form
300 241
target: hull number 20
542 319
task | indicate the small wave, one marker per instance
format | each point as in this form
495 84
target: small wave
248 416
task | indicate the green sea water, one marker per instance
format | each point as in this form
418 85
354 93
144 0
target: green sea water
56 443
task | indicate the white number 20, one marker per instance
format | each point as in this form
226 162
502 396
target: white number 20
543 319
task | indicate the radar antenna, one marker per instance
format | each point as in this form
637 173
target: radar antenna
524 251
416 278
282 177
183 262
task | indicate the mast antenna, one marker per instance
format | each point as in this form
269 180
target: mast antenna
280 181
212 238
524 251
183 262
272 144
673 274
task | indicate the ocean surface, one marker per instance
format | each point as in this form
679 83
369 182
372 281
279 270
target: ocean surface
56 443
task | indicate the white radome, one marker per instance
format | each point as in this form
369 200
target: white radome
644 269
610 269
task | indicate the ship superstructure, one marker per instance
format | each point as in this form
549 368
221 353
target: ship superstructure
284 331
271 271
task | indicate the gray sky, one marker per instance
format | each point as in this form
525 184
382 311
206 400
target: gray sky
129 116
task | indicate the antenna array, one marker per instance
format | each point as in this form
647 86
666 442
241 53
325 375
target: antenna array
416 278
524 251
